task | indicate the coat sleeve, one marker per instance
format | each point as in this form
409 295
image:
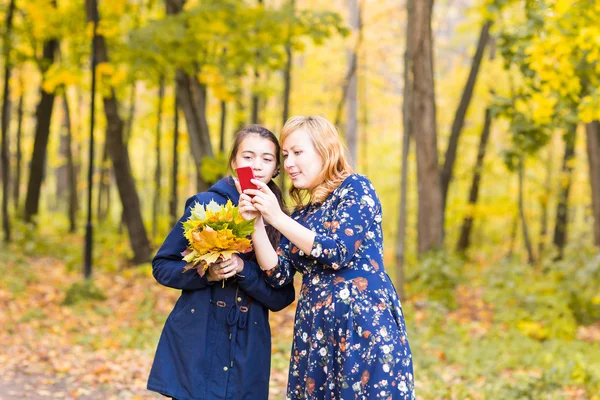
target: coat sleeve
168 264
357 210
253 283
283 273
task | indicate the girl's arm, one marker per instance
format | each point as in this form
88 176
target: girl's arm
168 264
274 298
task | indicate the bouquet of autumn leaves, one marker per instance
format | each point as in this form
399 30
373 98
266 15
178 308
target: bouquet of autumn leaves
215 233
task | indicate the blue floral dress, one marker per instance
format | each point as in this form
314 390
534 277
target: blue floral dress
349 335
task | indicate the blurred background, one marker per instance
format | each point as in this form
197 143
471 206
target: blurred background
476 120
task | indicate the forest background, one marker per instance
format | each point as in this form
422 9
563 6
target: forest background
476 120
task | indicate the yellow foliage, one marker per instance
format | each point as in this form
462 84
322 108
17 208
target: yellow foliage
215 232
114 7
42 15
588 109
211 244
534 330
57 76
212 77
562 6
542 107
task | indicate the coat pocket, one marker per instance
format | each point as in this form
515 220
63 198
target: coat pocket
181 306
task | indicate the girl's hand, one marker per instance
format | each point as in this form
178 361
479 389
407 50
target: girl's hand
245 206
225 269
265 201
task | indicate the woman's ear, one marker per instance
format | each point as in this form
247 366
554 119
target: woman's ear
233 166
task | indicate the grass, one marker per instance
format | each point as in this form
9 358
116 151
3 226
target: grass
484 330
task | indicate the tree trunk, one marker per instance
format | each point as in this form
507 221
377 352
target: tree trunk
71 172
352 96
42 134
18 150
191 96
513 235
465 232
287 86
287 76
199 96
255 100
461 112
158 170
103 204
223 127
593 151
240 117
364 105
255 119
130 113
430 218
120 159
173 202
104 192
62 174
65 179
5 122
562 208
544 207
406 134
528 246
190 111
352 67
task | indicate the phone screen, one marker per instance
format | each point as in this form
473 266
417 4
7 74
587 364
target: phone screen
244 176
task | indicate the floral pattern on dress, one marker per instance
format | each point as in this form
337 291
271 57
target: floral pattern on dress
350 338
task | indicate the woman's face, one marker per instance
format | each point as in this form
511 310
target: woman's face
301 161
259 154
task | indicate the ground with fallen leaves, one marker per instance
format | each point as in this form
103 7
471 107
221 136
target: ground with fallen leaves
96 349
103 349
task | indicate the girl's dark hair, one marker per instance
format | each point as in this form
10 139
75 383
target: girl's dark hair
273 234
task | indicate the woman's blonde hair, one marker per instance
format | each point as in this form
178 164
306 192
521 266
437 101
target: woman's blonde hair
328 144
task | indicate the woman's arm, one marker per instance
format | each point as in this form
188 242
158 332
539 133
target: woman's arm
168 264
266 203
357 209
278 267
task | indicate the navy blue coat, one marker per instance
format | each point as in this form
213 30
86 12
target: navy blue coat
216 343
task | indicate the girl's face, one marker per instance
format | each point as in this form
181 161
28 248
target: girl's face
301 160
259 154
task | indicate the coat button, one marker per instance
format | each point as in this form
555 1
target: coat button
239 299
225 369
193 311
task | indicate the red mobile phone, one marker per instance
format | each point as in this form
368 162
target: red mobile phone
244 175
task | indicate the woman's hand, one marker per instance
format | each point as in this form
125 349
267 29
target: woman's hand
245 206
265 202
225 269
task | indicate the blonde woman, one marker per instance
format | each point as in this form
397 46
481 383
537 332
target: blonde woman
349 335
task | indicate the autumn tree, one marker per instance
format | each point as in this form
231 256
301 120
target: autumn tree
120 157
424 127
235 38
5 119
555 51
